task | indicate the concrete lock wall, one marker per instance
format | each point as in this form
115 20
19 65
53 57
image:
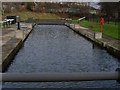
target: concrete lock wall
18 36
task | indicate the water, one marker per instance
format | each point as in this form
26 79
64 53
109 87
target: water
55 48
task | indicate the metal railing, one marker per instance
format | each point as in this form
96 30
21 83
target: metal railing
59 77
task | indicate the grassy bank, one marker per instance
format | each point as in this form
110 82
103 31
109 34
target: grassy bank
108 29
26 14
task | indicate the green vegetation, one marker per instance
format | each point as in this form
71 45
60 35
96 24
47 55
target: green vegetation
26 14
108 29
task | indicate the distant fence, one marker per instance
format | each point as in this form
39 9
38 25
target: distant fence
107 20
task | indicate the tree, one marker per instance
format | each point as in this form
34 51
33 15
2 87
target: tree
110 10
29 6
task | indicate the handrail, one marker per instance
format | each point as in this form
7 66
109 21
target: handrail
59 77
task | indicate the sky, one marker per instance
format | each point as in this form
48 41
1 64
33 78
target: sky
60 0
95 5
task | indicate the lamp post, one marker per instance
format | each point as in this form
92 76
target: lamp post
18 22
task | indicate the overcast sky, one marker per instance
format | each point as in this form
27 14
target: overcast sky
60 0
95 5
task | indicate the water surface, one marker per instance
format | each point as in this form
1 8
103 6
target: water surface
56 48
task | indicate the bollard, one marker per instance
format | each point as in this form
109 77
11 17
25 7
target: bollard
101 23
97 35
18 22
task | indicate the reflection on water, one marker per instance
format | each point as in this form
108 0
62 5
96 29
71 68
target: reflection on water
54 48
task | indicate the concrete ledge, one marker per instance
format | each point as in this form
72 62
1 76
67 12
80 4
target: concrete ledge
9 51
82 34
99 42
113 51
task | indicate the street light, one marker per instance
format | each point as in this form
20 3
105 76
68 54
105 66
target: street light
18 22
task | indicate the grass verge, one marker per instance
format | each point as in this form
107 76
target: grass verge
36 15
108 29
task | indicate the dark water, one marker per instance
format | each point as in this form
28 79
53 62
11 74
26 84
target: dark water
54 48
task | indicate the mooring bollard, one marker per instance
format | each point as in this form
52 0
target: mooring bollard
18 22
101 23
72 25
97 35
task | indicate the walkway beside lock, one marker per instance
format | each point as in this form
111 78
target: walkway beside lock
11 41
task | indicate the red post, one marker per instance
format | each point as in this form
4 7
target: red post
100 28
101 23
